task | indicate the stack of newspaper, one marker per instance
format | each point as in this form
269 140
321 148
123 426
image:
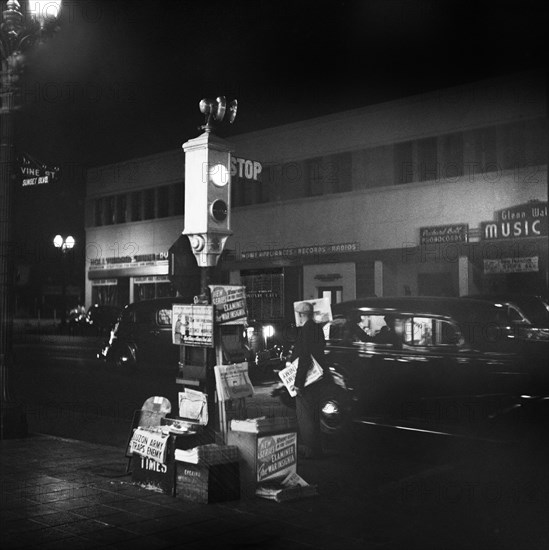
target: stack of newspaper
292 487
263 424
208 454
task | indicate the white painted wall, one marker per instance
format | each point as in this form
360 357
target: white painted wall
382 218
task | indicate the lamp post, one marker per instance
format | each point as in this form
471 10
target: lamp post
19 32
64 245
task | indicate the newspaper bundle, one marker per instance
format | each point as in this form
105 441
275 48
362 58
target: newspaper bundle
287 375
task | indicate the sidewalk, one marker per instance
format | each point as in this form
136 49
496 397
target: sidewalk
62 493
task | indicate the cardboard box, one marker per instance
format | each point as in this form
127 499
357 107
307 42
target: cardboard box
264 457
208 483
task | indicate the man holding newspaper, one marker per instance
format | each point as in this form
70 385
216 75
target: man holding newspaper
308 350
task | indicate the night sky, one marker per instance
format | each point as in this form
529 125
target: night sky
123 79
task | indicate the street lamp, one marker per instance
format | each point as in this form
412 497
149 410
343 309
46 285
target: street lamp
64 245
19 32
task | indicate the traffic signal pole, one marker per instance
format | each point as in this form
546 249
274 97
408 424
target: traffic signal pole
208 213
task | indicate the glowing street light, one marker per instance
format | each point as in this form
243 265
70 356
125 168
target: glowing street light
64 244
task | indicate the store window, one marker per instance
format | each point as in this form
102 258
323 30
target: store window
178 190
98 212
164 201
484 150
451 147
403 160
427 165
373 167
121 209
264 294
105 294
137 203
110 210
149 204
148 288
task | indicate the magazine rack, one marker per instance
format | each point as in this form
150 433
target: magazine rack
233 385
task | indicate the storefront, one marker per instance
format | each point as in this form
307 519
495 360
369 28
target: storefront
119 281
352 205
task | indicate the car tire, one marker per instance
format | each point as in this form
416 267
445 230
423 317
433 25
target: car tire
334 409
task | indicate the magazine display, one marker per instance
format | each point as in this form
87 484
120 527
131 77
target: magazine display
233 381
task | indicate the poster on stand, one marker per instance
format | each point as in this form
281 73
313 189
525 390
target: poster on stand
149 443
276 456
233 381
192 325
229 302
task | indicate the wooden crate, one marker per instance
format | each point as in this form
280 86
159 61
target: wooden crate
208 483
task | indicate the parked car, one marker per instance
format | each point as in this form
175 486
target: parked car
143 335
529 313
437 364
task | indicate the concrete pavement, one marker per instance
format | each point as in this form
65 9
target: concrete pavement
62 493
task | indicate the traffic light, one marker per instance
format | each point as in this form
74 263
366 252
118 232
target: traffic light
207 196
208 185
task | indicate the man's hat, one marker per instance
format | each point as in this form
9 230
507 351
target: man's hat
304 307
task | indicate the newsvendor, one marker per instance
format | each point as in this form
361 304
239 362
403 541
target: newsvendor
310 343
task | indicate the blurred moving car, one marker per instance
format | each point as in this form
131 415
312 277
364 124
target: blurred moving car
97 321
528 313
102 318
442 365
142 335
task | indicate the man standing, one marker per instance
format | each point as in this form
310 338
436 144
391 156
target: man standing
310 343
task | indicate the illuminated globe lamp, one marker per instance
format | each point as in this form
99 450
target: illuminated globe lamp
64 244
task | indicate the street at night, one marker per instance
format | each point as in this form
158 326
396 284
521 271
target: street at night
274 274
385 488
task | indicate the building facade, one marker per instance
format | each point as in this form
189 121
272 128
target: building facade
443 193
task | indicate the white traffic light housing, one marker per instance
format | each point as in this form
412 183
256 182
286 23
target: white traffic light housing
207 196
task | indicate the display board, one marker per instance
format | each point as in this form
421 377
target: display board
192 325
